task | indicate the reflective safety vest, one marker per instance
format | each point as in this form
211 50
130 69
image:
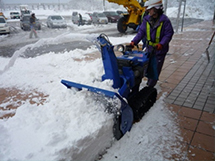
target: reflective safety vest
157 37
141 19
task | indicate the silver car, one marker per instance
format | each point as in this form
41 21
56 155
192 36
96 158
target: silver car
56 21
4 28
25 23
99 18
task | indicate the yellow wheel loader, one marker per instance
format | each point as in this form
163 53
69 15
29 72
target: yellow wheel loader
135 10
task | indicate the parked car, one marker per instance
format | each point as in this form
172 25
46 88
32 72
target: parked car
120 13
86 19
14 15
99 18
56 21
25 23
112 16
4 28
75 17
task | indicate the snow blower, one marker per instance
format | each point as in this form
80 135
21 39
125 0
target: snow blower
126 72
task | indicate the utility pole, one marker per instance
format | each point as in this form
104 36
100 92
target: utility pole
165 6
182 25
58 4
104 5
1 5
178 17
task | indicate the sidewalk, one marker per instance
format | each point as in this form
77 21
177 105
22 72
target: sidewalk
188 80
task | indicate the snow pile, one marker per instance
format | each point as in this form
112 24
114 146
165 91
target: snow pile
155 137
64 126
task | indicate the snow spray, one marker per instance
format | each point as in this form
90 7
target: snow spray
13 59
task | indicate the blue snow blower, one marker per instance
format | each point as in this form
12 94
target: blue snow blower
127 72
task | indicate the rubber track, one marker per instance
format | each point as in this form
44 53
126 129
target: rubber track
142 102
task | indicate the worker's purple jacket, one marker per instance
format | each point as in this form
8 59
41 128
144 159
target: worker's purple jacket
165 36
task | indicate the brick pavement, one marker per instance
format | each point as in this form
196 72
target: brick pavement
188 80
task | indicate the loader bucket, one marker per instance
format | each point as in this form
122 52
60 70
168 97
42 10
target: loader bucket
123 118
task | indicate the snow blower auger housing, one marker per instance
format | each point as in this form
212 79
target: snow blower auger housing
127 72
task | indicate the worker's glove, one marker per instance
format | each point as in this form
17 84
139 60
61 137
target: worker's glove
132 44
158 46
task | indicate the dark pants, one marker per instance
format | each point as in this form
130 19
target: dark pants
160 61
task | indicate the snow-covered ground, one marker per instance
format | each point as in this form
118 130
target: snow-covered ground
70 124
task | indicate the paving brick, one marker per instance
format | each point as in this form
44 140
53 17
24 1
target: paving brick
209 109
188 104
179 103
205 128
198 107
181 99
201 99
203 142
182 96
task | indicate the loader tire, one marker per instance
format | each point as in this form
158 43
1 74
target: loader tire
117 133
121 25
142 102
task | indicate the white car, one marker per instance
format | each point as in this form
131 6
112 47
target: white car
4 28
56 21
14 15
86 20
99 18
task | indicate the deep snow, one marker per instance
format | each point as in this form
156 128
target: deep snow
70 124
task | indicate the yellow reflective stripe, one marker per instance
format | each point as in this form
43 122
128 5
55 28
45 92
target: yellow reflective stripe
148 31
152 44
157 36
141 20
158 33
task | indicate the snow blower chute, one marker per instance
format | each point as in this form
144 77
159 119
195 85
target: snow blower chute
127 72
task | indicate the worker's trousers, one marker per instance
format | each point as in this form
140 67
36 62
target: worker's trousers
33 31
160 61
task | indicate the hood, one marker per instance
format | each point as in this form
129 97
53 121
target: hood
3 24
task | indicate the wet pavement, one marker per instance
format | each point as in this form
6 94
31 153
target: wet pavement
188 79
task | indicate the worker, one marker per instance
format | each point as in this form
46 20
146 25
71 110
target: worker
80 20
143 15
32 26
158 30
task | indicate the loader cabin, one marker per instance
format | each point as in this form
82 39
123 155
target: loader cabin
24 10
1 14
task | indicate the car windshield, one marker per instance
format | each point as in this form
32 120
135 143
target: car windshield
2 20
56 18
112 13
25 12
14 13
101 15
